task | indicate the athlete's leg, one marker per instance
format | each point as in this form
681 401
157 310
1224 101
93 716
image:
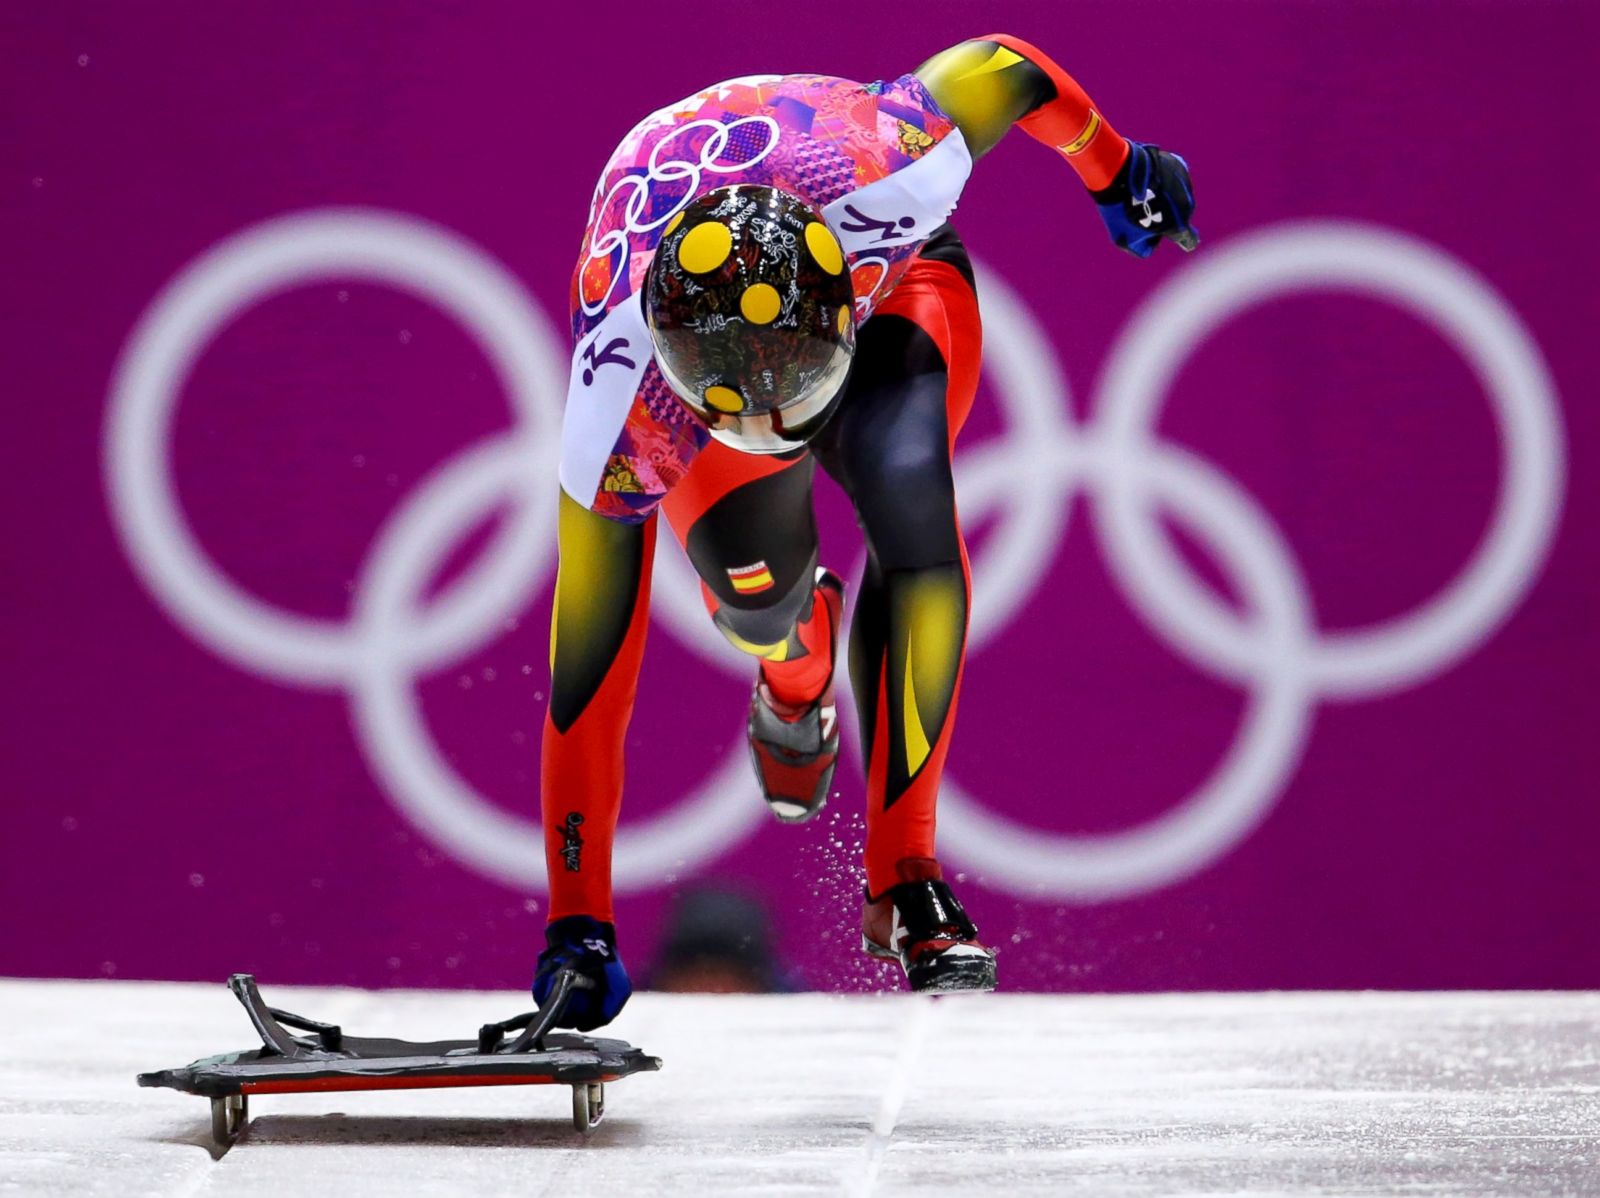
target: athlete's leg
747 525
890 448
597 635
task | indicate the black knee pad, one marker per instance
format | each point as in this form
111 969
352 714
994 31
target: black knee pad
752 628
756 550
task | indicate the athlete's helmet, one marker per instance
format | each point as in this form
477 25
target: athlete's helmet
750 307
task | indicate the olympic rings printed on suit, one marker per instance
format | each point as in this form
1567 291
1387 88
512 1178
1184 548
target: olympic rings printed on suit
1025 478
659 170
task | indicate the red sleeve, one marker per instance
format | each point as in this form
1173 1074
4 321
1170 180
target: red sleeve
1070 123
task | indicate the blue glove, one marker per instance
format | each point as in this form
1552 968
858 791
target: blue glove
589 946
1150 198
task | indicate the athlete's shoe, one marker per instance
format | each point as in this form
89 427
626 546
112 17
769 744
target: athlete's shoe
921 924
795 748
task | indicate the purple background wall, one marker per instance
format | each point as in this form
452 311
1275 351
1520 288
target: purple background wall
171 812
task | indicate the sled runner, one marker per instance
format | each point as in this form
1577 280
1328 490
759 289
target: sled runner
328 1060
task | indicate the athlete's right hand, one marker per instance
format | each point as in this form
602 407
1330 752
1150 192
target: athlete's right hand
590 947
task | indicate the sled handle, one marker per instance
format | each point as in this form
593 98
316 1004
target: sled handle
269 1020
535 1023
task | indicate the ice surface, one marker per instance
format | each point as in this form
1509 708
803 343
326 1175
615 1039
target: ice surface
1016 1094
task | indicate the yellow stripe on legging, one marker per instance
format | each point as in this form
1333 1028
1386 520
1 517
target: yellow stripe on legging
933 610
917 747
777 652
555 622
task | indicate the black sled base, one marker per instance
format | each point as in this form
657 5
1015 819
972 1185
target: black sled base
328 1060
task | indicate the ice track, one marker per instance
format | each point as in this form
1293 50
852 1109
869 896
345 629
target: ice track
1015 1094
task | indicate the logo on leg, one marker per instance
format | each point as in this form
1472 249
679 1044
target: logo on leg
572 842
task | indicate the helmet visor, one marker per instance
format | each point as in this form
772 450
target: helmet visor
780 429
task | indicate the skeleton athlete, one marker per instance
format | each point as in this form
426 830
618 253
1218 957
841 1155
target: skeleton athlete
769 281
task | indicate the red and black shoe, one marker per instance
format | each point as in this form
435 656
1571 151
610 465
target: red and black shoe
921 924
794 748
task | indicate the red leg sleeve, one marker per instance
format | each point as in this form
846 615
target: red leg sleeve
923 613
903 824
597 644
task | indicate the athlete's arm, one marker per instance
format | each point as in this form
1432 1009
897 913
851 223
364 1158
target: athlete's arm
991 83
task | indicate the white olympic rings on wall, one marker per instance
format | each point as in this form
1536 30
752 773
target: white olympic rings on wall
1276 650
393 636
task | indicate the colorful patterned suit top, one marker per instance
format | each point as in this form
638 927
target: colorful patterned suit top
880 160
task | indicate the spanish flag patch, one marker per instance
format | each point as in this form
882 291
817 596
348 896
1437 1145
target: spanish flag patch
1081 143
751 579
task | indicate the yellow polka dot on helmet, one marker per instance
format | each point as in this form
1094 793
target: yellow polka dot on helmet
824 247
760 303
672 226
705 247
844 318
724 399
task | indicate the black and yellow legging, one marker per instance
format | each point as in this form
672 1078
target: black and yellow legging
889 447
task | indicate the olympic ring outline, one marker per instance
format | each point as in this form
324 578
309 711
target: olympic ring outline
1129 467
1059 456
163 347
435 265
1465 311
1119 461
604 244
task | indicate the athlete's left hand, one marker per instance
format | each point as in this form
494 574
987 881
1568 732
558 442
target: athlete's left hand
1150 198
